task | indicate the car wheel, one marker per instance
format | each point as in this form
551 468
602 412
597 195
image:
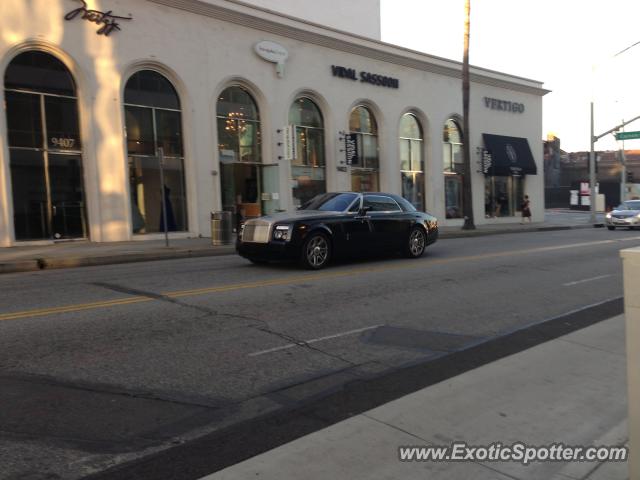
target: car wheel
611 228
416 243
316 251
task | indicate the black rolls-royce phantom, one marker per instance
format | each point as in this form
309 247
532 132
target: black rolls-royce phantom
338 224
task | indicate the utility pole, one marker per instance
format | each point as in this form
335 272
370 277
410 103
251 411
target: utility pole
467 199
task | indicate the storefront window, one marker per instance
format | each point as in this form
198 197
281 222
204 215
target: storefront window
308 168
153 120
411 160
247 186
503 196
453 166
45 154
365 169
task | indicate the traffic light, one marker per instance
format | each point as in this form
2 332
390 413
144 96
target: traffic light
629 176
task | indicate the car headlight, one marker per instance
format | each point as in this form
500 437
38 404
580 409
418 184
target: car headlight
282 232
608 215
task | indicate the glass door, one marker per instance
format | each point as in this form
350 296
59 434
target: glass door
239 183
30 206
270 188
67 196
453 196
46 167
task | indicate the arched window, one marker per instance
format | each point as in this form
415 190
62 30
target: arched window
154 121
411 160
239 147
308 168
453 164
45 150
365 168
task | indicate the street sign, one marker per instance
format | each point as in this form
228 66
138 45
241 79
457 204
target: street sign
627 135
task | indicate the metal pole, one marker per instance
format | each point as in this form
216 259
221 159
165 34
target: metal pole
592 173
623 173
162 196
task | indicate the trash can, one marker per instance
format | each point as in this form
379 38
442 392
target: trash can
221 228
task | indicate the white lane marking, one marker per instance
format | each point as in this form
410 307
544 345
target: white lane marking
570 284
313 340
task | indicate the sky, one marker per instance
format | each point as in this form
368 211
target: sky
570 45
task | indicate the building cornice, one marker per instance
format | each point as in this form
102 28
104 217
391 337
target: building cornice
239 13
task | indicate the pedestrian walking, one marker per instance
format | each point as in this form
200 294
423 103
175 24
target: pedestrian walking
526 210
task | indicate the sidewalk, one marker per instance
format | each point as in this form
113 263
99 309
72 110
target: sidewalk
570 390
85 253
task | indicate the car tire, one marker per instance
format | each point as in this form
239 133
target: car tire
416 243
316 251
611 228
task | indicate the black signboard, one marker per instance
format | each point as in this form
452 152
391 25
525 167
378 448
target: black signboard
351 149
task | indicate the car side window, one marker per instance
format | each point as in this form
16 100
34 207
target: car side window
355 207
381 203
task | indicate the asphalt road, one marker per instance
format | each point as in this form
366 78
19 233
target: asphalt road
102 366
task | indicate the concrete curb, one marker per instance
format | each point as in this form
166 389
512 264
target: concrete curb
524 229
50 263
19 266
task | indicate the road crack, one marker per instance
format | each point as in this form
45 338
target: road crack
304 344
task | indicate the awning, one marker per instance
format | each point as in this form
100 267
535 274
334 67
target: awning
507 156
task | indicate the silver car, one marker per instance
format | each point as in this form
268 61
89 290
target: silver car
625 215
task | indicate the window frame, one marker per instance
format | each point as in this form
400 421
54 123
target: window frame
366 195
147 156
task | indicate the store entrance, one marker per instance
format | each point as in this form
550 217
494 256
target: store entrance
503 196
45 151
47 195
249 190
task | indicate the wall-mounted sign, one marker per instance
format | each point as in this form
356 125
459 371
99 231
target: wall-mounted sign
487 161
351 149
289 143
272 52
372 78
106 20
504 105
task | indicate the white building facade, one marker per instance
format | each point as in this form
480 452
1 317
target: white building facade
213 105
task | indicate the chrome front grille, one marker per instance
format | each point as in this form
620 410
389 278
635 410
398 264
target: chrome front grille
256 231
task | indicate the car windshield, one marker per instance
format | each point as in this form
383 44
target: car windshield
630 205
330 202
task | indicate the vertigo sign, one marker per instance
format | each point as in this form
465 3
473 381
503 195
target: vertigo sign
105 20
